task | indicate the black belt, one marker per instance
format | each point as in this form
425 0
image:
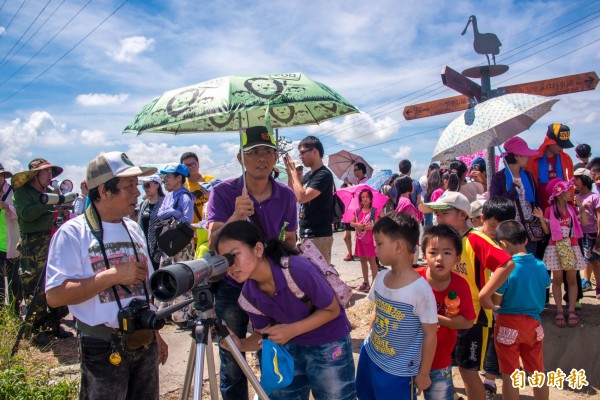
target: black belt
97 331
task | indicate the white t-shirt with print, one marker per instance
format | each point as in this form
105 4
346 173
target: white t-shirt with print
75 254
396 337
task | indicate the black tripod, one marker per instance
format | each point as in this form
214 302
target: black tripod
201 348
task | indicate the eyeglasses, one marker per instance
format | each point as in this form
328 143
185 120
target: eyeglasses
191 165
260 152
302 152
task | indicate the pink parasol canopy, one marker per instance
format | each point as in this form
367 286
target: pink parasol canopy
469 159
350 198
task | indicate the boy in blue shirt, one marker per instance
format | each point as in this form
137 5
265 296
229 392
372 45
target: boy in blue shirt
518 332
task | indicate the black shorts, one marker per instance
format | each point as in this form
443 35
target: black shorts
346 226
471 346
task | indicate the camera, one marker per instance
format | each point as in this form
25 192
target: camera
172 281
137 315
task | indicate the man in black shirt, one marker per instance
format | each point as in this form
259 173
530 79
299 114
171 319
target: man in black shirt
315 195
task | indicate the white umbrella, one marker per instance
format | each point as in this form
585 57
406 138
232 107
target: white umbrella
490 123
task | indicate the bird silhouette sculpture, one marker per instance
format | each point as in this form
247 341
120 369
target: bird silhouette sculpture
484 43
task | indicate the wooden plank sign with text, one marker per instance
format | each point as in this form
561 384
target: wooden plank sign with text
556 86
436 107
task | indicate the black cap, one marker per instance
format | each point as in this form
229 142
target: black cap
561 134
257 136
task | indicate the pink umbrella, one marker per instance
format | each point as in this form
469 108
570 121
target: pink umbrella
469 159
350 198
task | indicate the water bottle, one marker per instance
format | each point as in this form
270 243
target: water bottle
452 302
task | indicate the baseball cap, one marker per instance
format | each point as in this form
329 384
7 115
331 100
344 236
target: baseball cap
113 164
476 208
151 178
561 134
175 169
583 172
257 136
447 201
277 366
518 146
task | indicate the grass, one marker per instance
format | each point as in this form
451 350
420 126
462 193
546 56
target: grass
24 377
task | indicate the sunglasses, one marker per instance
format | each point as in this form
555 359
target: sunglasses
146 185
191 165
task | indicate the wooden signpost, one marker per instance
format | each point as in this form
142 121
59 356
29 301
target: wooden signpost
462 84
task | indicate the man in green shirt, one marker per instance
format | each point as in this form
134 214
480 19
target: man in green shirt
35 222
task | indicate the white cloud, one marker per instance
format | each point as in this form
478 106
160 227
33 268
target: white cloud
230 148
131 47
160 153
94 138
401 152
101 99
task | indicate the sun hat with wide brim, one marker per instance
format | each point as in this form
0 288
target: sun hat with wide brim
21 178
6 174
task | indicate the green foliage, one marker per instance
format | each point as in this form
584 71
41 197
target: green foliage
15 382
15 385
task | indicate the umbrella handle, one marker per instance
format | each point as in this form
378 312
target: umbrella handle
245 189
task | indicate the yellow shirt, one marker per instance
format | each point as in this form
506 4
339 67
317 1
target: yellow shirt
201 195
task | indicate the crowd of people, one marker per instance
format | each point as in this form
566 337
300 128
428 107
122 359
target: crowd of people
459 272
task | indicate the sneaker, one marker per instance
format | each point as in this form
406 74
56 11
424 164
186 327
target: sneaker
586 285
490 391
41 339
349 257
63 334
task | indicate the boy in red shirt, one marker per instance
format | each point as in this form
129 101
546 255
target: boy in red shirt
480 257
442 247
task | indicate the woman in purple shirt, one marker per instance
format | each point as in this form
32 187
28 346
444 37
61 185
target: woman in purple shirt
313 328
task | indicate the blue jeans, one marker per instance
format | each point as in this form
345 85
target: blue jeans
234 385
441 385
136 377
327 370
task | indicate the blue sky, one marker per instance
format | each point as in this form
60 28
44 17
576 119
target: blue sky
380 55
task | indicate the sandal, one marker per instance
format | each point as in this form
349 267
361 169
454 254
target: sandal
364 287
559 320
573 319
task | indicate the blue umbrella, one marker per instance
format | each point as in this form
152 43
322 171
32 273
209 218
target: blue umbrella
379 178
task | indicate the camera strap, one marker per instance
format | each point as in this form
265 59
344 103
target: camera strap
95 224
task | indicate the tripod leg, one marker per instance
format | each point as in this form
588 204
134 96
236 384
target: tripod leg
241 361
199 374
189 371
210 364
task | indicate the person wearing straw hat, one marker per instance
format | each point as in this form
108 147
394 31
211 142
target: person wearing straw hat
9 238
36 221
98 264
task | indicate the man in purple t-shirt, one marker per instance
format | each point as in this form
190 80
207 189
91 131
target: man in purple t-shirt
269 205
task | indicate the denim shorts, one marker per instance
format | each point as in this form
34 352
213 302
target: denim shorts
589 240
441 387
327 370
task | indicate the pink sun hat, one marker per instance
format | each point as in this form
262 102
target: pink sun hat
519 147
556 187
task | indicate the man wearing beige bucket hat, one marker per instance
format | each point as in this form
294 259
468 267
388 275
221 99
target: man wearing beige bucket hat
35 223
9 237
98 265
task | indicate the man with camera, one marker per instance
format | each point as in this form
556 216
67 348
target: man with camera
98 265
266 203
36 220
